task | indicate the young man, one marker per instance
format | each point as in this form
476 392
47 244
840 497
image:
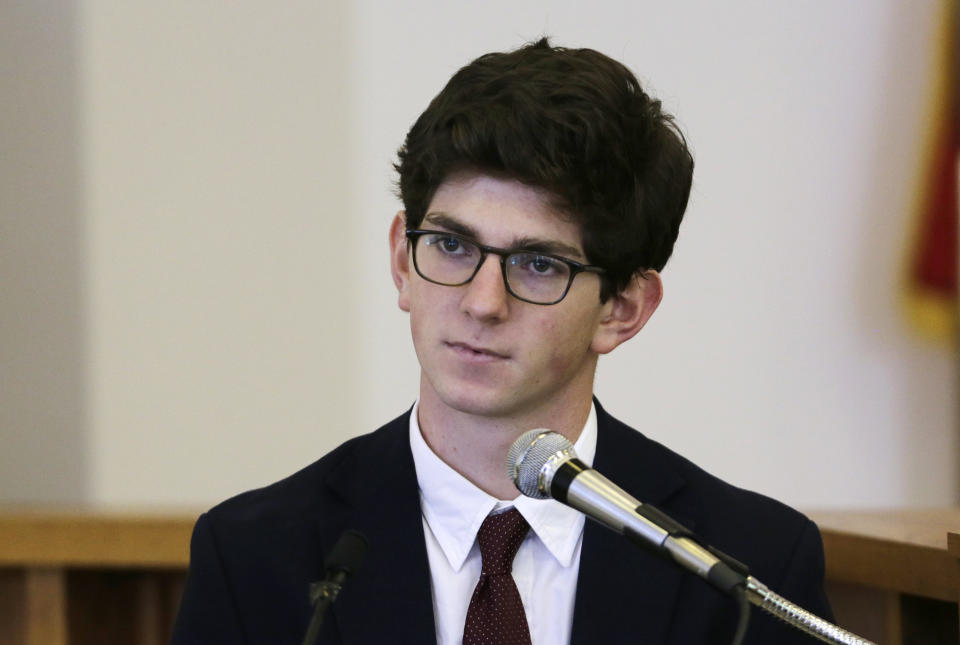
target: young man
543 191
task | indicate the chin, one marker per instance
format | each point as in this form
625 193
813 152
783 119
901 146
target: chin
478 406
478 401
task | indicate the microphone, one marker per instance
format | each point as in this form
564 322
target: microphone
543 464
344 559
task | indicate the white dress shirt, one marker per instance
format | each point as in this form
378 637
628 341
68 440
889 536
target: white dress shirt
547 563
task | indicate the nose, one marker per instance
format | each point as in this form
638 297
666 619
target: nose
485 297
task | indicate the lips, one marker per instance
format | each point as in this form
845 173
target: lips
474 352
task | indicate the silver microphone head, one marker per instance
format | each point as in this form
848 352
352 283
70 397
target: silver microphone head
530 454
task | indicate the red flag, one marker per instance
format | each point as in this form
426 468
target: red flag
932 281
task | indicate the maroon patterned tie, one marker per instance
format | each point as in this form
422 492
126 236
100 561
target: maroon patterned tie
495 615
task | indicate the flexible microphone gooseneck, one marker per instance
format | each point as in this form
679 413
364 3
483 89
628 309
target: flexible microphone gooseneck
543 464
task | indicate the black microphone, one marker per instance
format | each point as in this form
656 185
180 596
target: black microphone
543 464
344 559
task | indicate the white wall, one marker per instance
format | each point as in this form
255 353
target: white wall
223 149
217 151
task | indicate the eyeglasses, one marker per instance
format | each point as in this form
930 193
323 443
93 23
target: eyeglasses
453 260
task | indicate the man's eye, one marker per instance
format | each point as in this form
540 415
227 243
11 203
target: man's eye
450 244
541 265
537 265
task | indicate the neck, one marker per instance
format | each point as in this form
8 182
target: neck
476 446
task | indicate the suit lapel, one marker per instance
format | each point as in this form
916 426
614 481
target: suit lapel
389 599
625 594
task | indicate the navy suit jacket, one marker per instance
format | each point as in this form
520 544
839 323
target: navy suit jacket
254 556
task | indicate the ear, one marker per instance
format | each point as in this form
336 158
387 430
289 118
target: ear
400 259
628 311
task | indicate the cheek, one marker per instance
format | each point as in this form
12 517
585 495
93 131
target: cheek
561 348
568 346
427 309
420 320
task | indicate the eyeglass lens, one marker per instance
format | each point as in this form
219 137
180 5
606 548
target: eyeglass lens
453 261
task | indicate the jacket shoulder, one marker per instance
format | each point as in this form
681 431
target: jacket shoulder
750 526
323 481
780 546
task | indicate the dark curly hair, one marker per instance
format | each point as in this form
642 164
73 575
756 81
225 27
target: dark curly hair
573 122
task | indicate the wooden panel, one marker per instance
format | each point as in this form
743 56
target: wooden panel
112 577
158 601
903 551
927 527
113 606
45 607
885 565
13 591
88 576
102 606
870 613
953 543
929 622
102 539
148 619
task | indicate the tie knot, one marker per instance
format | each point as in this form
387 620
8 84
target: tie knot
499 538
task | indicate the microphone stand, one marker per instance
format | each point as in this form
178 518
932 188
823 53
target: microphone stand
345 557
758 594
731 576
321 595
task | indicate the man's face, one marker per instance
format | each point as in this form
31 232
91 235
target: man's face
481 350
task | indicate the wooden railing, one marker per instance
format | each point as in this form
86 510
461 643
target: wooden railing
86 576
894 575
92 576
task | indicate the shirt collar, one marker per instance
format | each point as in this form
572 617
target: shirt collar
454 508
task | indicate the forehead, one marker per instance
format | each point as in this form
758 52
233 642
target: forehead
502 212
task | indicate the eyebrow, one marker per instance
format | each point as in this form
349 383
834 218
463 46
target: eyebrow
538 245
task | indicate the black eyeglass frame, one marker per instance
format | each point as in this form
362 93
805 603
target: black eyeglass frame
575 267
